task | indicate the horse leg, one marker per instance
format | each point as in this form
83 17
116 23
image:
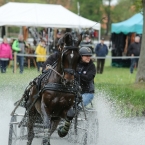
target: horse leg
31 121
54 123
63 130
38 106
47 125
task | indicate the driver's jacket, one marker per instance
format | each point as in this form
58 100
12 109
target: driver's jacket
86 73
50 60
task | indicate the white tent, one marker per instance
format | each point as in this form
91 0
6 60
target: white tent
42 15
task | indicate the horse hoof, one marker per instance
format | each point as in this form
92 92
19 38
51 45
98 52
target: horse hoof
61 132
45 142
28 143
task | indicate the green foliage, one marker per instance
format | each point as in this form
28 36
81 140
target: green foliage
122 11
89 9
138 4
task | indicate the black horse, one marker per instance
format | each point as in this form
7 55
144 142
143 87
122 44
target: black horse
56 93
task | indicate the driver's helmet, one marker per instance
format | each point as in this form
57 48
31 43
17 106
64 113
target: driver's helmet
85 51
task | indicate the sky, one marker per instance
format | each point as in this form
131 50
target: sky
113 2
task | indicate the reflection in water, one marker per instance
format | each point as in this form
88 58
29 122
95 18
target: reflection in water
112 130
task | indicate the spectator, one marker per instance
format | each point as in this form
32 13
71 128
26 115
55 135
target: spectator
58 36
87 40
91 33
87 43
44 33
30 50
134 50
41 50
95 34
19 47
5 54
101 50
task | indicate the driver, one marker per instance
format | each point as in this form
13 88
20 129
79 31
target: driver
86 73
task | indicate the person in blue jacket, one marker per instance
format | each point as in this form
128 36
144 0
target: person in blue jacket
101 50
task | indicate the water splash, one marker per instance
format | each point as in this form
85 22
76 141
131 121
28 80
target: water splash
113 130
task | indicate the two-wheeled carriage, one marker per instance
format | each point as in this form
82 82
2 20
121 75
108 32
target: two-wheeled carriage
52 101
83 130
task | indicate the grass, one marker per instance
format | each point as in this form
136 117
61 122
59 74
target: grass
13 85
117 82
121 87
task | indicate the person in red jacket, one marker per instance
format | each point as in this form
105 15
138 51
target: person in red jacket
5 54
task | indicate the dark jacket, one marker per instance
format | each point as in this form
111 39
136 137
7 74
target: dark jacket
101 50
87 72
134 48
55 49
51 59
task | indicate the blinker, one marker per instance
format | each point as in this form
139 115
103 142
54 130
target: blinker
70 71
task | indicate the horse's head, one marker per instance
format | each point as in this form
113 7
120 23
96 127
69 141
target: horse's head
69 56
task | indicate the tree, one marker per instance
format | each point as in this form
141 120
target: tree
108 13
122 11
89 9
140 76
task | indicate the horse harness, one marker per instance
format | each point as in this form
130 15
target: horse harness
62 87
68 70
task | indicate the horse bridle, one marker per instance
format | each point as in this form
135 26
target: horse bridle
68 70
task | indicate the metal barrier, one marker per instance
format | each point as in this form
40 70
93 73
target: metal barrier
94 58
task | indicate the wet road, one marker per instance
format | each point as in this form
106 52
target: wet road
112 129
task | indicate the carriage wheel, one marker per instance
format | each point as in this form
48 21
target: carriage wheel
16 135
84 132
77 129
84 139
13 131
92 130
73 132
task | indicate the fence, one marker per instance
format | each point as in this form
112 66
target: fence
94 58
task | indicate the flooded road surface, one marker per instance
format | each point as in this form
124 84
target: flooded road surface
118 131
112 129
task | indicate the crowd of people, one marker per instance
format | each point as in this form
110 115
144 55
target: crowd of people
21 47
7 50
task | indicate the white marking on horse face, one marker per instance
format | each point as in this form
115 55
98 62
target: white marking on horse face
72 54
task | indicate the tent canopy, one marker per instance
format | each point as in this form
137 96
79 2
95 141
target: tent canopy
132 25
42 15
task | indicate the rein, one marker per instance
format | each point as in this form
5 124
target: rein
48 66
